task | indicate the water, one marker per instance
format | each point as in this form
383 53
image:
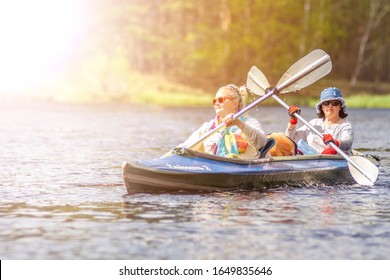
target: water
62 195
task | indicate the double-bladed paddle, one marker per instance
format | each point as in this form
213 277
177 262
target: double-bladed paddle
304 72
362 170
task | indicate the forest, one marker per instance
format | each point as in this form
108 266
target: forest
133 48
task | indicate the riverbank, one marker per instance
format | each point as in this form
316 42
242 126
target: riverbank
154 90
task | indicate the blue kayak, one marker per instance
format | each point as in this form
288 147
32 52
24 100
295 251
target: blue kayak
188 170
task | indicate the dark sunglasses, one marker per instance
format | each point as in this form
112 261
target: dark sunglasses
333 102
221 99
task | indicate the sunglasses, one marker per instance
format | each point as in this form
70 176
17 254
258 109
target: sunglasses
331 102
221 99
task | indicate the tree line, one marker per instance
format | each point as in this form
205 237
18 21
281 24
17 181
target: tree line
205 43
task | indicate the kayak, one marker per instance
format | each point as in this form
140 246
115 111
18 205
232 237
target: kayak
188 171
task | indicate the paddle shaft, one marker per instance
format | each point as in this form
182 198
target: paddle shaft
334 146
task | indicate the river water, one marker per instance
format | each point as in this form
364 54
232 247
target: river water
62 194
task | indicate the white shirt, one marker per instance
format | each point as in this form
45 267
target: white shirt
342 132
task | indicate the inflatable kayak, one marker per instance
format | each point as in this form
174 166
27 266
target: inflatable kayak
188 170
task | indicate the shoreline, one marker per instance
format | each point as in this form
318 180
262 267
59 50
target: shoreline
187 100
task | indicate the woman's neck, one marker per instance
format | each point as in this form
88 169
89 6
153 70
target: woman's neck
333 120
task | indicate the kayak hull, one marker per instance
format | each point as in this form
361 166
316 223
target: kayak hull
189 171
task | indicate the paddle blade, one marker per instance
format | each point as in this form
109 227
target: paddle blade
371 171
310 69
257 82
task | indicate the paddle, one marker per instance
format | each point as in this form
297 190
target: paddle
362 170
315 61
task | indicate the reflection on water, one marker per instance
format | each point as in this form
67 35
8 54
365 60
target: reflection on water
62 195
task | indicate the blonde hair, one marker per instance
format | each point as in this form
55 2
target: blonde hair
236 92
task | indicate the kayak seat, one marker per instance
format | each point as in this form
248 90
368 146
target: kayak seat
267 146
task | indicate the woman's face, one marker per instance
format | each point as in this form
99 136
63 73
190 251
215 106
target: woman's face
224 103
331 109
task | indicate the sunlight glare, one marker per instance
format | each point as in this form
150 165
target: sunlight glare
36 36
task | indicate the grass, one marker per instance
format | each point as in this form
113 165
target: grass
364 95
356 101
369 101
136 88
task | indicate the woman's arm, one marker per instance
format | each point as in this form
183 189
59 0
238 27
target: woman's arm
252 132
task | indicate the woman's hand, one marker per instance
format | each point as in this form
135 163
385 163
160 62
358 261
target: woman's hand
228 120
327 138
291 111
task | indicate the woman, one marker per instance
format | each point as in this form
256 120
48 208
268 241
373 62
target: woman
242 137
331 122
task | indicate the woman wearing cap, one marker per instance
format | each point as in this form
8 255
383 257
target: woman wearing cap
331 122
242 137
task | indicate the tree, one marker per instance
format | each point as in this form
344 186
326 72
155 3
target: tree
376 12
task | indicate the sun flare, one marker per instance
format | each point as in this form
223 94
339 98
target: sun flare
36 36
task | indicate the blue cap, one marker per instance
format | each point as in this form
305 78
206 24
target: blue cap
331 93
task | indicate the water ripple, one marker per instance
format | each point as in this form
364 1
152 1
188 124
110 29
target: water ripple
62 193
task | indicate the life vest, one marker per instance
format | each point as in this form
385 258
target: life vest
284 145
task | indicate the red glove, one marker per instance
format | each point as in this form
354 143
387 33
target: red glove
327 138
291 111
329 151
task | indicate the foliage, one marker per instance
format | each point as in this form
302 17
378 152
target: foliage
205 44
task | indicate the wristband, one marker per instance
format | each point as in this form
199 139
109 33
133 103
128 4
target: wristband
293 121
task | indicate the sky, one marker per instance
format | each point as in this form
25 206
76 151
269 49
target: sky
36 38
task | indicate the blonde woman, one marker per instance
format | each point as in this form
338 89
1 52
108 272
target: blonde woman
242 137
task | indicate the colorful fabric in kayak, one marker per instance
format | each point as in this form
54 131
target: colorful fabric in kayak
231 143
